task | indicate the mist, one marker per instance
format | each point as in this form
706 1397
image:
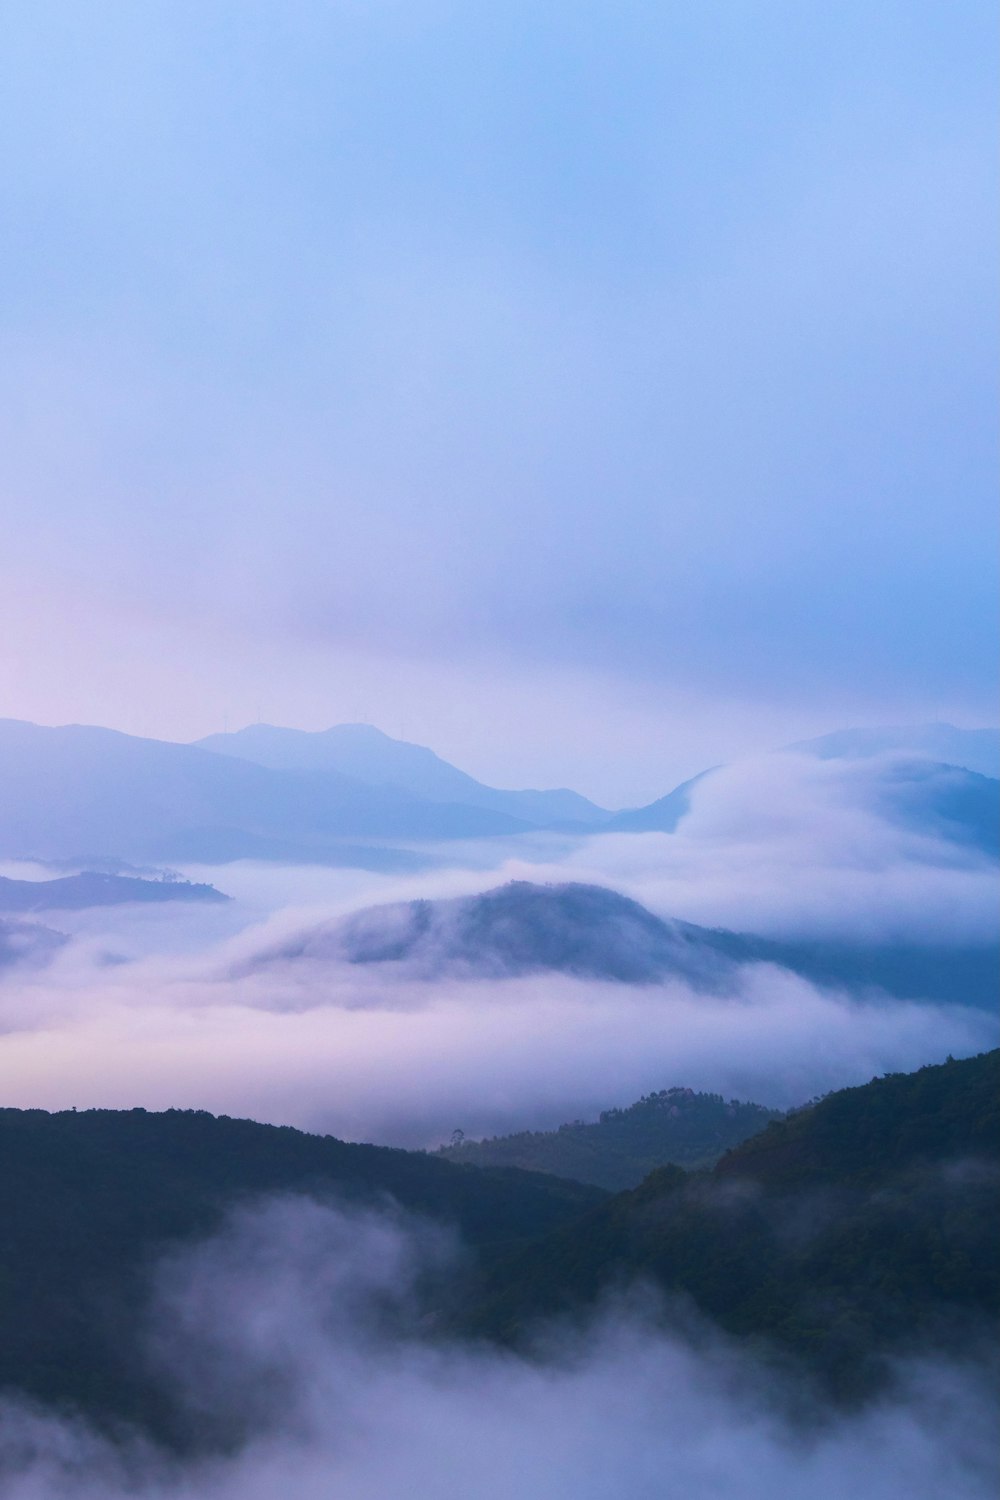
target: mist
173 1006
295 1333
406 1063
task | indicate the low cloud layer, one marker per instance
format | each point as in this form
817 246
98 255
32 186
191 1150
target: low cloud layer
351 1054
295 1326
789 846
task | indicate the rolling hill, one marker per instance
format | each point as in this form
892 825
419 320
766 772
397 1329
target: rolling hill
592 932
674 1126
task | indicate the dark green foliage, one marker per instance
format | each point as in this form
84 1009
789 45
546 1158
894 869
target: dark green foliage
624 1145
87 1199
863 1224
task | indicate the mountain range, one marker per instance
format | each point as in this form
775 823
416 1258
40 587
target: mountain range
351 796
367 755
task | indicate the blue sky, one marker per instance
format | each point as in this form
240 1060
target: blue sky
592 391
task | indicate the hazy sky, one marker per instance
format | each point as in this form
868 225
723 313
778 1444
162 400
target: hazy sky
592 391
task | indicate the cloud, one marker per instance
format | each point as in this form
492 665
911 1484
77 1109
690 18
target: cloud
295 1329
788 845
791 846
407 1062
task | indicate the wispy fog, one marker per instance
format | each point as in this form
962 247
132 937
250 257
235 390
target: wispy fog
406 1063
293 1332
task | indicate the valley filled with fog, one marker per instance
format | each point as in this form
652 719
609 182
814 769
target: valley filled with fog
249 1006
780 928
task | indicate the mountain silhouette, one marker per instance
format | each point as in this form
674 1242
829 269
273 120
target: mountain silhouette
365 753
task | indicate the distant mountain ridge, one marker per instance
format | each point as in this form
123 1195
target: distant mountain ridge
375 758
972 749
91 888
593 932
100 798
81 789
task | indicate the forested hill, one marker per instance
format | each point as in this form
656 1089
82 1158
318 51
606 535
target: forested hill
87 1198
623 1146
863 1225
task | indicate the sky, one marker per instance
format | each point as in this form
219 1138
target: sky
592 392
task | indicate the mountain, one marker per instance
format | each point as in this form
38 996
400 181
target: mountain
972 749
89 888
923 795
860 1227
518 928
82 788
27 943
661 816
943 801
595 933
87 1197
368 755
623 1146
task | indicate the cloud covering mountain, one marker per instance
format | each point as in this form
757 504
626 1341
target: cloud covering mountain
592 932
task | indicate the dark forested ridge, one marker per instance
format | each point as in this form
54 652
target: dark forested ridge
862 1224
623 1146
86 1198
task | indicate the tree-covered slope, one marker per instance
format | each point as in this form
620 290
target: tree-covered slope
864 1224
88 1198
623 1146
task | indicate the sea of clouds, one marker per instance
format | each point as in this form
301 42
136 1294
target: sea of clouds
161 1006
